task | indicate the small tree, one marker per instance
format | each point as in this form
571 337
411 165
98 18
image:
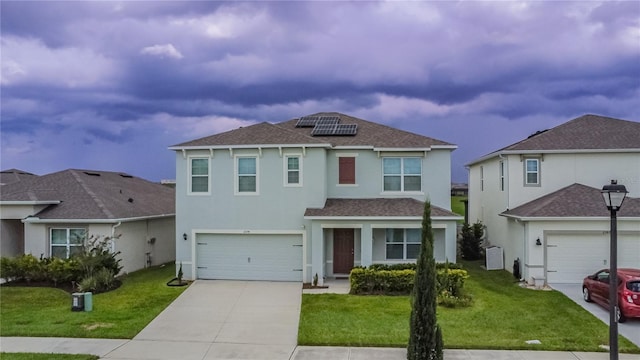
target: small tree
470 241
425 336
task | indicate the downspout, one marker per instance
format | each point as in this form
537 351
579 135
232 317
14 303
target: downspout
113 235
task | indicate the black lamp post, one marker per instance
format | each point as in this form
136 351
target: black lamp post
614 195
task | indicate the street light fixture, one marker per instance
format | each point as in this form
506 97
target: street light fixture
614 195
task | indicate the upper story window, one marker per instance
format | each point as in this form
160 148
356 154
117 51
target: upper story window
247 175
66 242
199 175
402 174
481 178
532 171
346 170
293 172
403 244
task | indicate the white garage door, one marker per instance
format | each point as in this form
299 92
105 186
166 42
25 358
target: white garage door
571 257
249 257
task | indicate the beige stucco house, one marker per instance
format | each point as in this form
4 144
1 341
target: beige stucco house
49 215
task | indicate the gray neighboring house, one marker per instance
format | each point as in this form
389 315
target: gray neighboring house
47 215
540 198
315 195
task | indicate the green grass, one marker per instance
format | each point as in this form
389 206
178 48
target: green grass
456 204
118 314
32 356
503 316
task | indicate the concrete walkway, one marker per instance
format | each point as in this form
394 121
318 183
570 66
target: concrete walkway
105 347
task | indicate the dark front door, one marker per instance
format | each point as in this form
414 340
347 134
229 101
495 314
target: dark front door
342 251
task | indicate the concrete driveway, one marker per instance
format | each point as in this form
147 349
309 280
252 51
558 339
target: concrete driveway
216 319
629 329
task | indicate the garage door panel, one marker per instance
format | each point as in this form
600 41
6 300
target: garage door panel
249 257
571 257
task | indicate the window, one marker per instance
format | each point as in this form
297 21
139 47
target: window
66 242
402 174
403 244
501 175
199 175
247 171
532 172
481 178
293 175
346 170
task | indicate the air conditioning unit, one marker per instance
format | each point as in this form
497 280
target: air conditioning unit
495 258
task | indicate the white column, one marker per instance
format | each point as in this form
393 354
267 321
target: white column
366 245
317 252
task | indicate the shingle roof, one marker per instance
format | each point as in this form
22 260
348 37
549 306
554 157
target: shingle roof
587 132
258 134
14 175
379 207
575 200
89 194
368 134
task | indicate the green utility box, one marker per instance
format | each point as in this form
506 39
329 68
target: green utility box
88 301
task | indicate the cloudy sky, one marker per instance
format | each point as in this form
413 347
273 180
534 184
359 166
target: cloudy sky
109 85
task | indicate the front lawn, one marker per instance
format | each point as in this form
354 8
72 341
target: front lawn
503 316
118 314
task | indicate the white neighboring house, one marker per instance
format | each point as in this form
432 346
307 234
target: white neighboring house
311 196
46 215
540 198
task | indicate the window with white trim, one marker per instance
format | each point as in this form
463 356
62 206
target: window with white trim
293 172
481 178
66 242
532 171
403 244
199 175
402 174
247 174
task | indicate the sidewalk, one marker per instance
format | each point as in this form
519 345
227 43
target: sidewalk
103 347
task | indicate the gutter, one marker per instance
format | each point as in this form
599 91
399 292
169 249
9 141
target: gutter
37 220
378 218
252 146
553 151
568 218
31 202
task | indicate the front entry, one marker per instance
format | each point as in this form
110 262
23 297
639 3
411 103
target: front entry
342 251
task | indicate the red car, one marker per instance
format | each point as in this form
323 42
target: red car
596 288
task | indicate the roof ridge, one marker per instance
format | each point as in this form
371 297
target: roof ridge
93 195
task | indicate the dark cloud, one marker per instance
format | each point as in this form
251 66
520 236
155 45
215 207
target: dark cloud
85 79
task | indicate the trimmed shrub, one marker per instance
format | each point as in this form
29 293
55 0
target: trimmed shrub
9 269
377 280
386 282
31 268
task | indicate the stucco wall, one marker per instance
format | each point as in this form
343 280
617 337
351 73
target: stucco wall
11 238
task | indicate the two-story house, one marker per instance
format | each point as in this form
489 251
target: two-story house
540 198
316 195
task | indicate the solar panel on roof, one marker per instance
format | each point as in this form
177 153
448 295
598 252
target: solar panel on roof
328 120
346 129
307 121
323 129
